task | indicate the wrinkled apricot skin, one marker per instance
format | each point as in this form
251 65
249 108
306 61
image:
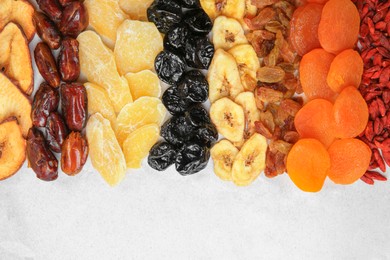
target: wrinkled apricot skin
339 26
315 120
313 70
350 113
345 70
307 165
349 159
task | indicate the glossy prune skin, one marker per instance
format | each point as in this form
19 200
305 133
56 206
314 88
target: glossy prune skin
199 52
175 39
161 156
74 103
206 134
56 132
46 100
47 30
194 87
190 3
164 14
198 21
192 158
169 67
41 159
197 115
175 104
177 131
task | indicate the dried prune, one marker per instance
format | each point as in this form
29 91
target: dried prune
74 103
56 132
176 39
177 130
47 30
41 159
194 87
206 135
173 102
190 3
46 100
199 52
161 156
74 19
74 154
169 67
164 14
198 116
198 21
192 158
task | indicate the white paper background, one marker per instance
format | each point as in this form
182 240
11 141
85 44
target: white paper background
162 215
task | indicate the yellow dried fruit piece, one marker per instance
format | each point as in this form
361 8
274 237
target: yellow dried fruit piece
97 63
137 45
105 16
136 9
230 8
104 150
99 102
223 154
143 83
270 74
138 144
144 111
227 32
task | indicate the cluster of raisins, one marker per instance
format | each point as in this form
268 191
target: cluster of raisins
189 134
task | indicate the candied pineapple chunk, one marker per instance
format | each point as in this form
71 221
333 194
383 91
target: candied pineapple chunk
137 45
99 102
106 154
144 111
137 145
97 62
136 9
143 83
105 16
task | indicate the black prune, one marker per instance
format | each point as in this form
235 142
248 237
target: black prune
164 14
169 67
198 21
190 3
192 158
174 103
161 156
199 52
194 87
206 135
176 39
197 115
177 131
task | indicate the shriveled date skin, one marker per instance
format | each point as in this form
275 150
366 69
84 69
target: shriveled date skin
74 102
74 153
46 64
69 63
51 8
46 100
41 159
55 132
47 30
74 19
65 2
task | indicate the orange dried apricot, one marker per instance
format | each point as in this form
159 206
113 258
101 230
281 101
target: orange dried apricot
349 160
304 28
313 70
317 1
345 70
350 113
307 164
339 26
315 120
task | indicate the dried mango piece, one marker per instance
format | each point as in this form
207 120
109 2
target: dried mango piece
143 83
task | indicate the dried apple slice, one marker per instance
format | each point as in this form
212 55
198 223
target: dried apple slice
15 58
12 148
20 12
14 103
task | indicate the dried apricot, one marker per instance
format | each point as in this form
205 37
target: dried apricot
350 113
346 70
313 70
304 28
317 1
339 26
315 120
307 164
349 160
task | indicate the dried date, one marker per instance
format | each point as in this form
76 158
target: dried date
74 102
47 30
56 132
51 8
69 63
46 100
74 154
46 64
74 19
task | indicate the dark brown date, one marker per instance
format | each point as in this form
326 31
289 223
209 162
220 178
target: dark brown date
55 132
68 62
74 102
46 64
51 8
47 30
65 2
74 153
46 100
74 19
41 159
